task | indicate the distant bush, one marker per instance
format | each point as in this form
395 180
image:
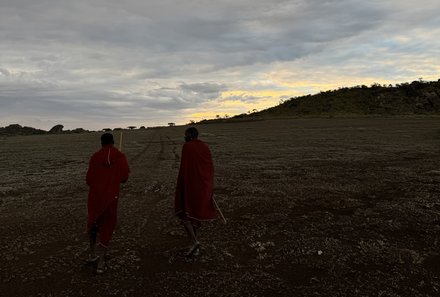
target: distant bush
78 130
16 129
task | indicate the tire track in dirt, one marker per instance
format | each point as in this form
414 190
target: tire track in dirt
151 192
146 204
137 202
144 150
156 192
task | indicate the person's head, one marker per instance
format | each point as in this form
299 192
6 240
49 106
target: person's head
191 133
107 138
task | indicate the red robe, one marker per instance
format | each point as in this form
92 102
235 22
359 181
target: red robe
195 182
108 167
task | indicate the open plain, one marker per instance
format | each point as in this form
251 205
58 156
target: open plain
314 207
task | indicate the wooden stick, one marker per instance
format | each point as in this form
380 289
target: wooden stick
120 142
218 208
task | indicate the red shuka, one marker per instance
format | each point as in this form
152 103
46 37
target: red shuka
195 182
108 167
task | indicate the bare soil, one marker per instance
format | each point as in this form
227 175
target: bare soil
314 207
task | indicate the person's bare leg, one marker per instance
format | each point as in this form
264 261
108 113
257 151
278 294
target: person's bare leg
92 241
196 231
192 233
196 247
102 252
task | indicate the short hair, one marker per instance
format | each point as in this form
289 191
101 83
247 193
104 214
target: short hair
192 133
107 138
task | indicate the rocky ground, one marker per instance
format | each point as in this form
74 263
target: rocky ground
314 207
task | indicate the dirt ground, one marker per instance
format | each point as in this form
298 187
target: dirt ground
314 207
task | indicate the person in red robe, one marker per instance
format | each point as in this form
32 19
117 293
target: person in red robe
195 183
108 168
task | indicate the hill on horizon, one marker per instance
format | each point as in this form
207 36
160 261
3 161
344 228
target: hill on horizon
415 98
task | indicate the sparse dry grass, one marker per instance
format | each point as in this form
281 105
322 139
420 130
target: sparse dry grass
315 207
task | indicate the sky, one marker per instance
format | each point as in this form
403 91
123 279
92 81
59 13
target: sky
97 64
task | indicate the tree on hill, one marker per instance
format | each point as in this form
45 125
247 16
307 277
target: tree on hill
56 129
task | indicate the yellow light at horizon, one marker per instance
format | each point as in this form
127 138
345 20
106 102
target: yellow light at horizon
232 108
312 87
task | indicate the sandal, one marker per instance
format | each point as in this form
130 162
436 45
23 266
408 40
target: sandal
101 268
194 250
92 260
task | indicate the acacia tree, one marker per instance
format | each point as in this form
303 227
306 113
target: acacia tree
56 129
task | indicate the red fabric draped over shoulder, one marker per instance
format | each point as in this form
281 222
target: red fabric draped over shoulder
108 167
195 182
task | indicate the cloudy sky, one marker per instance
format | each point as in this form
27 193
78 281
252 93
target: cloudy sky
109 63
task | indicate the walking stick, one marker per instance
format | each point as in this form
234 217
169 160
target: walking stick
219 210
120 149
120 141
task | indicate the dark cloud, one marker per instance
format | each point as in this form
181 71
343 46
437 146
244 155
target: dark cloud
204 89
